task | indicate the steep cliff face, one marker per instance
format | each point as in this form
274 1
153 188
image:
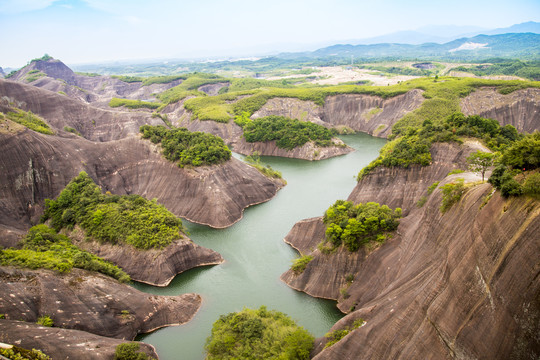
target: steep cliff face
62 344
90 302
370 114
364 113
463 284
520 108
460 285
398 187
35 167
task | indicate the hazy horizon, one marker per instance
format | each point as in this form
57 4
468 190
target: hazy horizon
93 31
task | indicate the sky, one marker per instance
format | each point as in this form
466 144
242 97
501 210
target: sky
90 31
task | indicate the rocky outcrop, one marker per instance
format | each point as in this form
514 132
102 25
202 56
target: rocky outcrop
154 266
62 344
365 113
370 114
90 302
398 187
212 89
520 108
35 167
463 284
309 151
91 89
59 111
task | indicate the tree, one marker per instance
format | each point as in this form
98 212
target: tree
480 162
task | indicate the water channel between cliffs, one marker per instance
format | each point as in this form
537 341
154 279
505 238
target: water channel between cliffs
255 254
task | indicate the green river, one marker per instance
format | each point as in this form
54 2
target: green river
255 254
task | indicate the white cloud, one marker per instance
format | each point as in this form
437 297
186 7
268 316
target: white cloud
19 6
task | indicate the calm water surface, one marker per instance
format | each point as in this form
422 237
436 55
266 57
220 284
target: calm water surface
255 254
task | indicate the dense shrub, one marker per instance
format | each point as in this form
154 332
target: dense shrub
113 219
45 320
336 335
356 225
288 133
258 334
188 148
130 351
44 248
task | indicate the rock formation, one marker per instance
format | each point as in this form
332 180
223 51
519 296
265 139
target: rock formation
364 113
520 108
90 302
35 167
445 286
62 343
154 266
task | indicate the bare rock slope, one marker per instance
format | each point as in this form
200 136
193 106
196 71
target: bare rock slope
90 302
63 344
520 108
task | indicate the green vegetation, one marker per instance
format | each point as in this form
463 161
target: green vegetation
189 87
133 104
525 69
519 161
357 225
188 148
72 130
455 171
288 133
44 248
255 161
45 57
432 187
31 121
452 192
146 81
130 351
258 334
336 335
17 353
45 320
87 74
480 162
299 265
33 75
411 145
128 219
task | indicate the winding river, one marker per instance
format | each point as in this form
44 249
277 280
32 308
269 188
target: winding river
255 254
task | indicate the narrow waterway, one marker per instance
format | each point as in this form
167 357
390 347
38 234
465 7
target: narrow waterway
255 254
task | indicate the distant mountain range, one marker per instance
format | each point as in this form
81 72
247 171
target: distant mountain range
443 33
507 45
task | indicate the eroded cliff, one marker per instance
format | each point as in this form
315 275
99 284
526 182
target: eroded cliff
520 108
90 302
35 167
365 113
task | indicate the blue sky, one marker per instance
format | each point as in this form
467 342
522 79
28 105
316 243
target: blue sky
83 31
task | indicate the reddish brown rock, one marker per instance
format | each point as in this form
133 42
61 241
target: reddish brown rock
63 344
90 302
